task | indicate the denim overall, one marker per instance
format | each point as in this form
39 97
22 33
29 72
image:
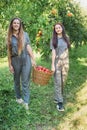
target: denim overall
22 69
61 68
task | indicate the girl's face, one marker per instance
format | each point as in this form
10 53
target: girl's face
16 25
58 29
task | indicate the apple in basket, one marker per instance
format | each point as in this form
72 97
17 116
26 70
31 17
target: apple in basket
47 71
43 69
39 68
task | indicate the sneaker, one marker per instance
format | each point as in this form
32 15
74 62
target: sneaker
20 101
26 106
60 106
55 101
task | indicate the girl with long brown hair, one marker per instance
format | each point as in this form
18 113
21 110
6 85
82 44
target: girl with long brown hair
60 62
20 59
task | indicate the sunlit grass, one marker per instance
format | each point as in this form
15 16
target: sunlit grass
83 61
3 62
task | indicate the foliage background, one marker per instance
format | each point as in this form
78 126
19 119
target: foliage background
39 17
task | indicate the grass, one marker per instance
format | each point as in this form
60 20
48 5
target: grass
43 114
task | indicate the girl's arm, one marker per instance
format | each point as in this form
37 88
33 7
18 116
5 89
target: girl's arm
29 49
53 59
9 62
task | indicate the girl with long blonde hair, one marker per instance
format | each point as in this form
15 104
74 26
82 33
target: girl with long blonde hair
20 59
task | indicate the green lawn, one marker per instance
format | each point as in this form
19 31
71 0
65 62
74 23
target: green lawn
43 114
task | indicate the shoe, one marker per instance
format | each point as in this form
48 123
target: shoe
60 106
20 101
26 106
55 101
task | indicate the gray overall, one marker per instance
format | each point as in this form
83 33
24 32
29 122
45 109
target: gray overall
22 69
61 68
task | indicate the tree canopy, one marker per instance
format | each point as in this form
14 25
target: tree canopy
39 17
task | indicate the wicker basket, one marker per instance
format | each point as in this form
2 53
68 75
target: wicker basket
41 77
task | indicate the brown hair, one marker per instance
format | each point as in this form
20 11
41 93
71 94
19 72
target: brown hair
20 37
55 39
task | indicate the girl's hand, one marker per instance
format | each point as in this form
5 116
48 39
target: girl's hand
11 69
53 68
33 62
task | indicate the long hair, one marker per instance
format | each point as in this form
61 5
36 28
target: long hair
55 37
20 37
